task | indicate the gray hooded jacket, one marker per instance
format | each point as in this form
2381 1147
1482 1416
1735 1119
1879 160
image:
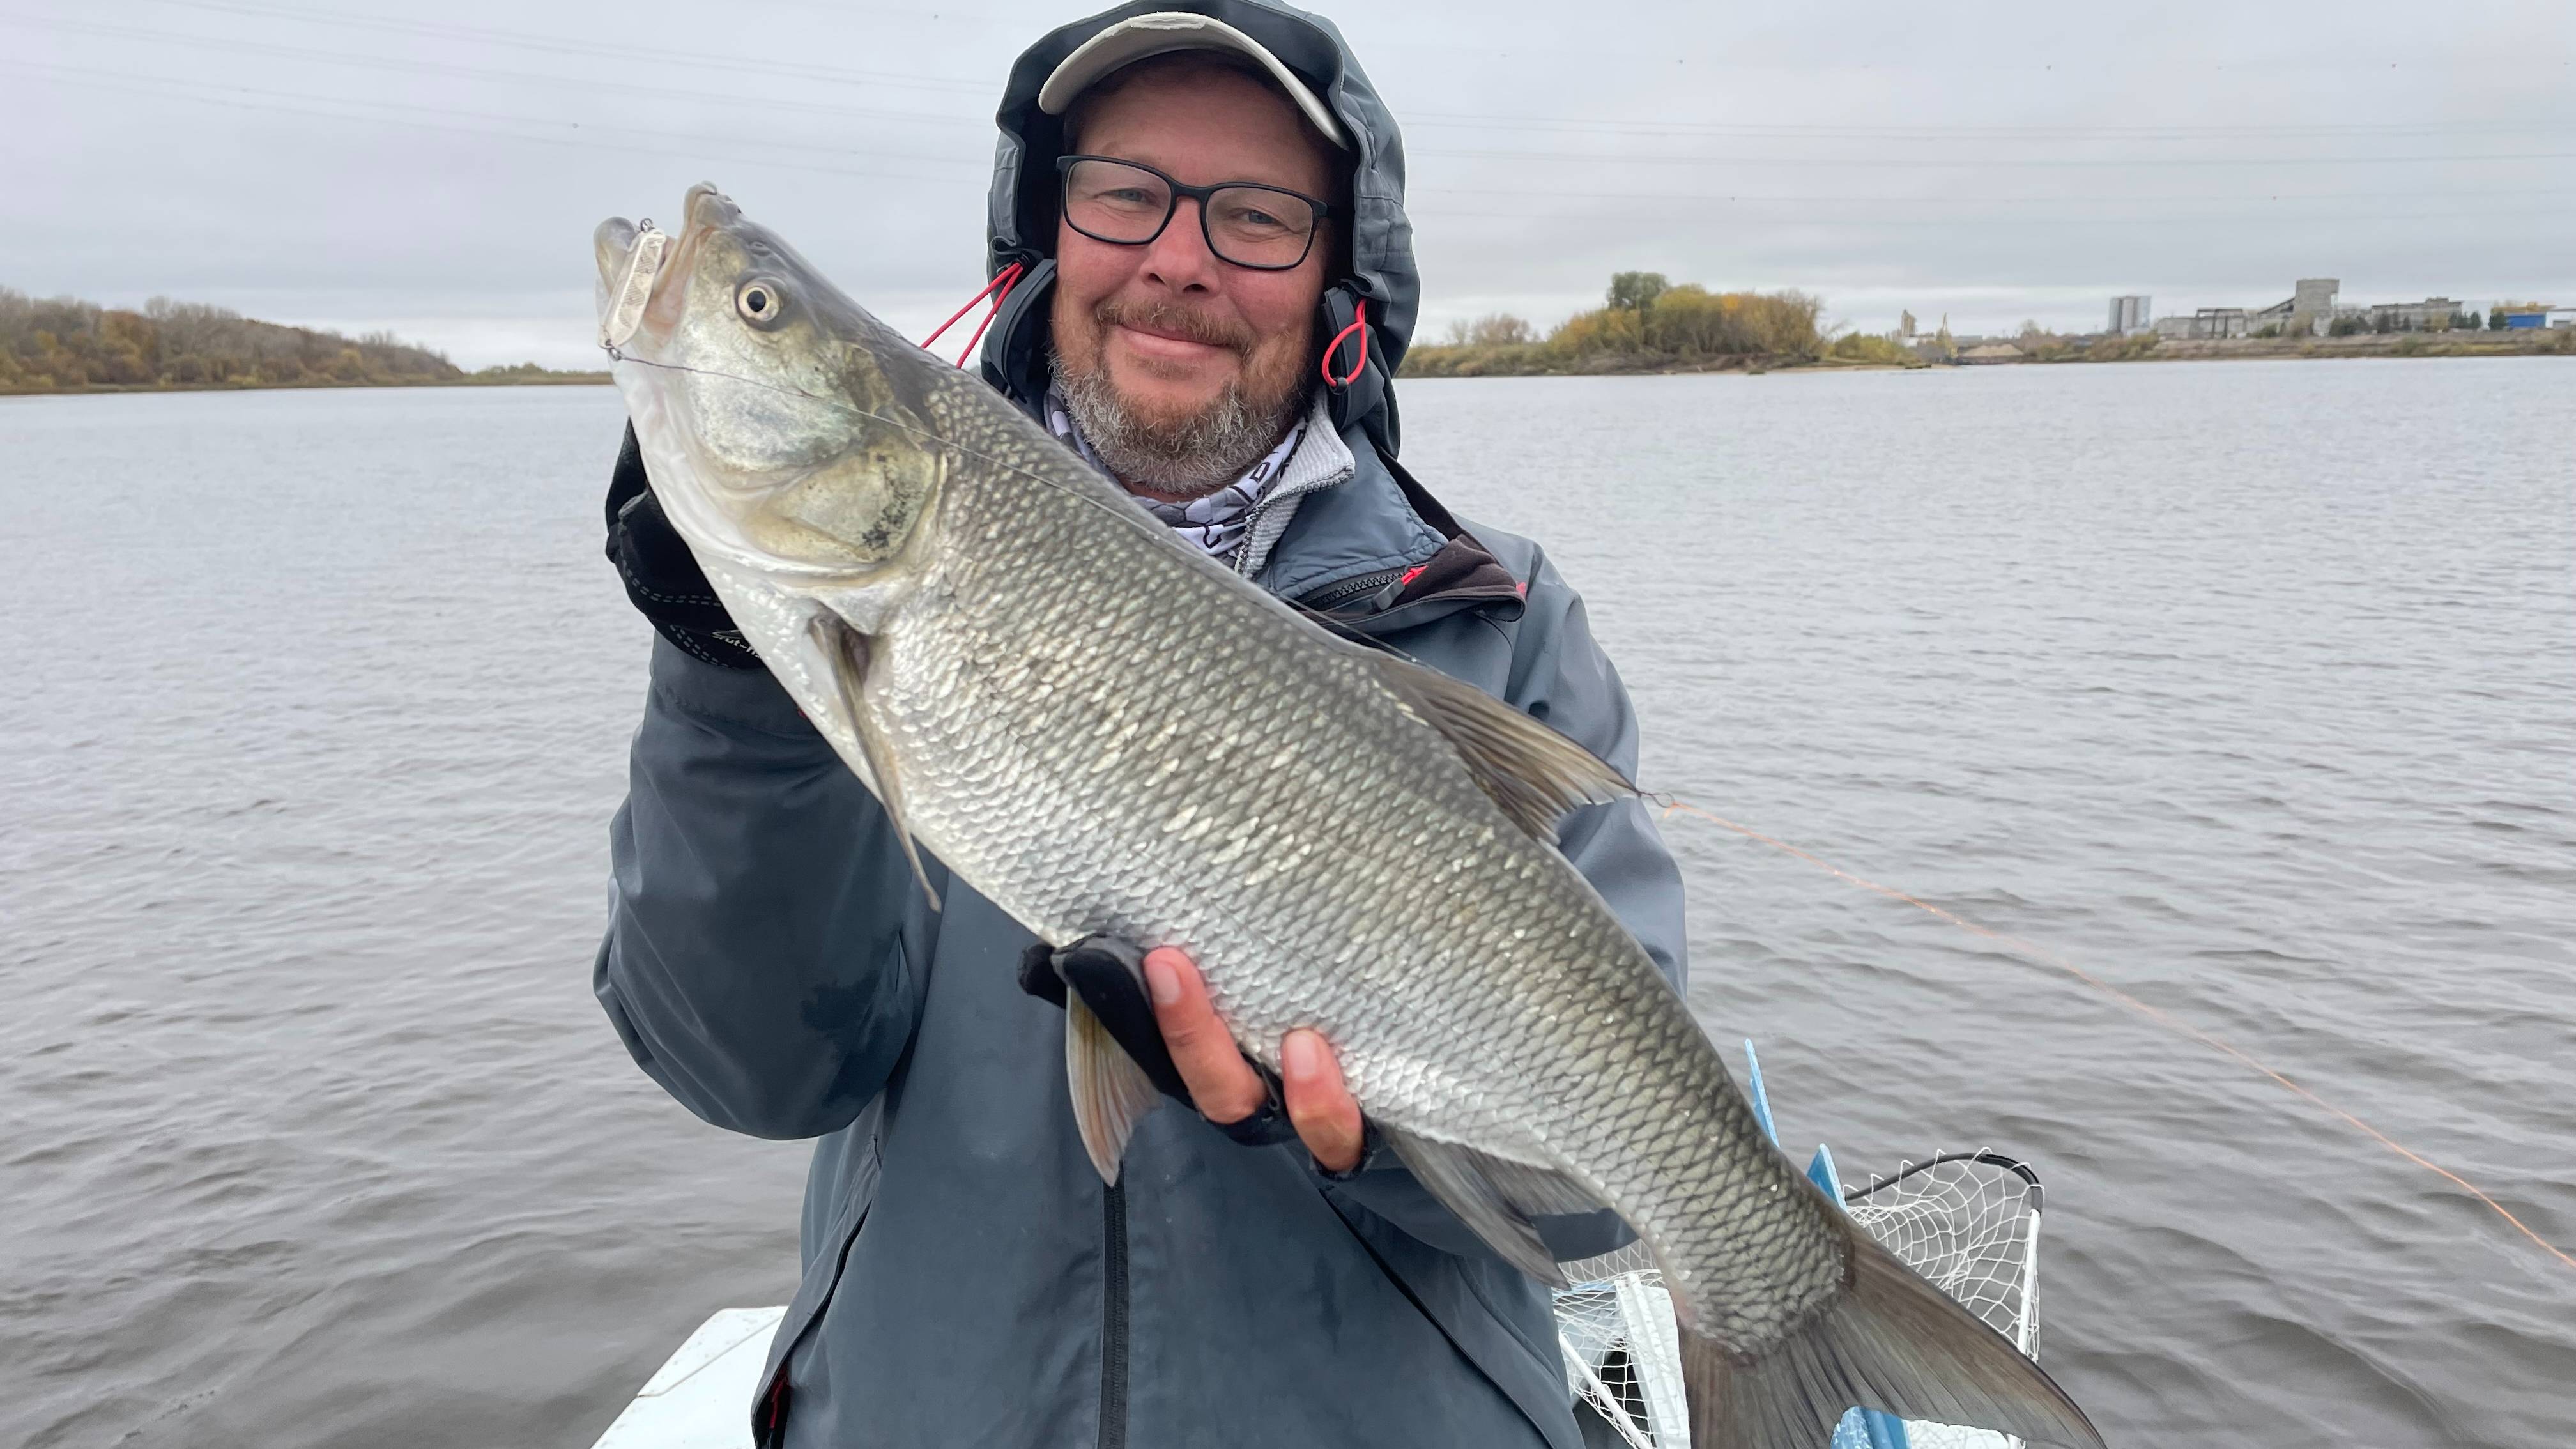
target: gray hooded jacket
967 1277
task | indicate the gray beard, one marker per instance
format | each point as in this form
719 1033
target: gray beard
1191 461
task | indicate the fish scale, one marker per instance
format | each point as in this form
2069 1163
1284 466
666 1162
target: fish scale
1102 731
1414 995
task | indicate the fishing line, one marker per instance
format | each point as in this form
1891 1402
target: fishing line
2027 949
1133 517
2044 956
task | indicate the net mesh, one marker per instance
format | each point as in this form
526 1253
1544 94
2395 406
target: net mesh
1968 1222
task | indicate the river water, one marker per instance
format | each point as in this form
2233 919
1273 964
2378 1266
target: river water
2249 689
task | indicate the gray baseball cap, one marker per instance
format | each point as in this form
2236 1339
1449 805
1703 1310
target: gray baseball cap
1160 33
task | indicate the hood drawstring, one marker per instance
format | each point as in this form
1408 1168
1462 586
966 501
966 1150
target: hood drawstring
1359 324
999 289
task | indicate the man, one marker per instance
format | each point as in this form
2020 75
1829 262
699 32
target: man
1216 284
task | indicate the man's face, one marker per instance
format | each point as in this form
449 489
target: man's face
1168 327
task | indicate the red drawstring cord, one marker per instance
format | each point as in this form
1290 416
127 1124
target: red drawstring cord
999 289
1359 324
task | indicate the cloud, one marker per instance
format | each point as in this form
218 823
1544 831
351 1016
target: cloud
369 165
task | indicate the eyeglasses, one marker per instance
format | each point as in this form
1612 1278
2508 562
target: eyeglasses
1265 228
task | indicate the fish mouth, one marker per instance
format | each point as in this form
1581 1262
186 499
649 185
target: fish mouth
611 245
637 263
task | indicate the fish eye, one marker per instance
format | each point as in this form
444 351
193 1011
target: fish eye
759 301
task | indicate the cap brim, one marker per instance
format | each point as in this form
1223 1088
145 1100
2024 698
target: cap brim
1162 32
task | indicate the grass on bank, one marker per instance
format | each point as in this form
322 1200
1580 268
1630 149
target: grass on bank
63 344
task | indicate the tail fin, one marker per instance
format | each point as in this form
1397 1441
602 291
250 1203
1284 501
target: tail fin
1893 1342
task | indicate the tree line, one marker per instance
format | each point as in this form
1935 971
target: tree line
1647 322
63 344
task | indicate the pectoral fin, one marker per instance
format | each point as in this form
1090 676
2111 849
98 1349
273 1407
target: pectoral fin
1533 772
1495 1197
847 649
1110 1092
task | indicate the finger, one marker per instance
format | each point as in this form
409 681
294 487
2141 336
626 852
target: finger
1224 1085
1319 1103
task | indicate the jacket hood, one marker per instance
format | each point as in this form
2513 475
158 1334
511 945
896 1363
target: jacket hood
1021 219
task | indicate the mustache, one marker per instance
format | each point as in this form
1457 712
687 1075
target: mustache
1175 321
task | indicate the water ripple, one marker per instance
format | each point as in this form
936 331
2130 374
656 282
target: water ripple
315 1135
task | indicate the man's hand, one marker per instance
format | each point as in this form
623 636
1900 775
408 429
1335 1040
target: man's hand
1225 1086
662 577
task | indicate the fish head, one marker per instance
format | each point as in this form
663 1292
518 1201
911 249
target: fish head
789 437
785 429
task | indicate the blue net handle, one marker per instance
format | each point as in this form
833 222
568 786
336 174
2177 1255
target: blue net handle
1861 1428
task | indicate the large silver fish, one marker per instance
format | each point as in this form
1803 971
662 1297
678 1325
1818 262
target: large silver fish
1030 673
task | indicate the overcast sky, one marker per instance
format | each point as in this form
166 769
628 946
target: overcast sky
437 169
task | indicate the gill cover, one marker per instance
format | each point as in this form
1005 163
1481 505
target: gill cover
803 427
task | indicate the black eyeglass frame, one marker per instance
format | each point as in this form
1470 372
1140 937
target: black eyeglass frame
1064 165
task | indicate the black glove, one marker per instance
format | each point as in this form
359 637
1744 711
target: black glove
1109 975
663 580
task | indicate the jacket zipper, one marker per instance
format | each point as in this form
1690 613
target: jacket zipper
1348 589
1252 525
1113 1317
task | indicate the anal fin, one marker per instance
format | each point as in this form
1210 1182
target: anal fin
1110 1092
1534 773
1495 1197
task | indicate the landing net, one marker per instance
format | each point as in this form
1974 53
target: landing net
1967 1221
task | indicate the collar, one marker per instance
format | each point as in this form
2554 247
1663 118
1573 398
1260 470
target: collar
1216 524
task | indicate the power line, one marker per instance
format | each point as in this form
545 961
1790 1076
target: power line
542 122
699 60
698 146
472 72
1909 132
1948 198
586 48
591 139
1593 159
1922 223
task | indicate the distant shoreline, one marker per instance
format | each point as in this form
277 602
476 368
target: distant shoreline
1435 361
1538 360
53 346
2555 342
548 379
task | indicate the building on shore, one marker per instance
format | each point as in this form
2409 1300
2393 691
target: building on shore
2209 323
2130 314
2313 309
1990 354
2433 314
2309 312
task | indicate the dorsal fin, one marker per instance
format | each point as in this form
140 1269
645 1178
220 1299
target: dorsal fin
1531 771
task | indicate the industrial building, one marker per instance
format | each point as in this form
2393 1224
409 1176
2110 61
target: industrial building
2207 323
2309 312
2312 310
2129 314
2526 319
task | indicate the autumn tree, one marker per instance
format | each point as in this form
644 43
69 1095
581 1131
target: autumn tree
1636 291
